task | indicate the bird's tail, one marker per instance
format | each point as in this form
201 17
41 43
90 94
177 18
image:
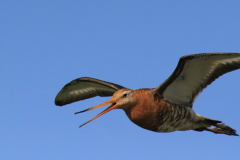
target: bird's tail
220 128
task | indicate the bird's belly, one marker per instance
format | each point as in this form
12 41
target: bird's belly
174 126
178 121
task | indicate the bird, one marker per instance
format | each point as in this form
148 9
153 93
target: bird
169 106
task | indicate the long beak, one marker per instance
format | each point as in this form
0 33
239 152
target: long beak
112 106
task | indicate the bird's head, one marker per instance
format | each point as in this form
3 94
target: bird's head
121 99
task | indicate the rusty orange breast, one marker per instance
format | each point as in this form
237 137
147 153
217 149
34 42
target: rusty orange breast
146 111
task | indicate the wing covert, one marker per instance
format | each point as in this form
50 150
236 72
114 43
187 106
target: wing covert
84 88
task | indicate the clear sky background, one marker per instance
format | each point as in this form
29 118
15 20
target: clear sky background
137 44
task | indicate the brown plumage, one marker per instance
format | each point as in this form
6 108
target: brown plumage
166 108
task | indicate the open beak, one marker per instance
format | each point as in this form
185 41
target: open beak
111 107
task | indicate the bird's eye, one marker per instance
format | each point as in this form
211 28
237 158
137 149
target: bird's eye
124 95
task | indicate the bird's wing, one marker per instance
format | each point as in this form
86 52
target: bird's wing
194 73
83 88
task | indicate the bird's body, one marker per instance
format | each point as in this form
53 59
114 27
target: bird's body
166 108
151 112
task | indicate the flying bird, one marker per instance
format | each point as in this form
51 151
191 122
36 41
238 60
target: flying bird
166 108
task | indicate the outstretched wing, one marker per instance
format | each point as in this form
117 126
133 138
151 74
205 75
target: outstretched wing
83 88
194 73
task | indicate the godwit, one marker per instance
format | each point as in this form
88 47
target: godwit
166 108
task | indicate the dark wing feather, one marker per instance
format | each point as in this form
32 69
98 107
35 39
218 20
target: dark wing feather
194 73
83 88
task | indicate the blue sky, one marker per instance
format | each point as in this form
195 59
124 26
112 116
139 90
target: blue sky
137 44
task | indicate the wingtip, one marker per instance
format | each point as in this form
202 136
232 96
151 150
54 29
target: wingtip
58 103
